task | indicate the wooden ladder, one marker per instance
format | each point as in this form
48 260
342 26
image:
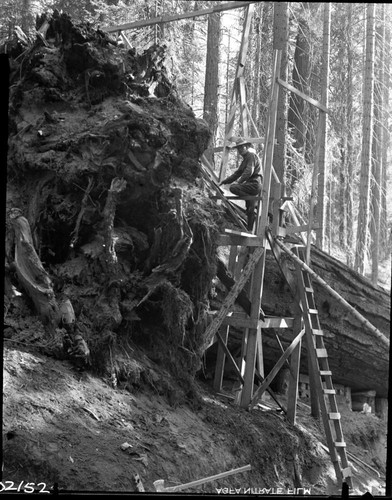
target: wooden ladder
322 376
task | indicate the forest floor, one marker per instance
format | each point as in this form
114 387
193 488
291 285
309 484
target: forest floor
68 427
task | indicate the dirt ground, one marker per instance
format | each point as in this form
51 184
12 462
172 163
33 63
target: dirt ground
67 427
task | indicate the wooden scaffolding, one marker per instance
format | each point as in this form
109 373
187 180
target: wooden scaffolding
247 261
247 264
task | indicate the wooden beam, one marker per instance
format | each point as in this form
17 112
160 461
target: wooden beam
277 323
240 322
304 96
220 361
232 295
290 206
229 356
176 17
226 240
300 229
207 165
239 319
292 395
229 279
251 119
271 392
244 197
127 43
239 233
275 370
159 483
276 195
244 113
277 252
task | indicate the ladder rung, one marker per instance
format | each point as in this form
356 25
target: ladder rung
329 391
322 353
317 332
325 373
313 311
340 444
334 416
308 289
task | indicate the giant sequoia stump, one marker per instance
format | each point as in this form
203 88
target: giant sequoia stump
104 162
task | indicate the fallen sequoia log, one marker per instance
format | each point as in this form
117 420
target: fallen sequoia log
364 323
358 358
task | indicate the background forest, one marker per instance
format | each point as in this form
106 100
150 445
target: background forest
202 52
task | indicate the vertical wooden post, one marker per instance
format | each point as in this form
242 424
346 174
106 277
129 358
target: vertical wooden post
232 258
241 262
221 356
244 112
260 357
254 337
314 398
220 360
295 360
241 366
277 193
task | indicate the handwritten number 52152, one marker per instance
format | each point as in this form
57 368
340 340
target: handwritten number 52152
23 487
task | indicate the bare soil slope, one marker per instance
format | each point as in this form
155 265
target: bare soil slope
64 426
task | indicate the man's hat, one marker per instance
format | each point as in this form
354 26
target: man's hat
241 142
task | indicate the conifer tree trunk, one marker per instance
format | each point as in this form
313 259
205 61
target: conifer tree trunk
377 154
385 249
342 191
366 155
320 160
281 11
228 90
264 85
211 83
348 197
257 64
300 79
26 16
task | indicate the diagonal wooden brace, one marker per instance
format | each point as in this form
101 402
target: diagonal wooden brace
232 295
272 374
